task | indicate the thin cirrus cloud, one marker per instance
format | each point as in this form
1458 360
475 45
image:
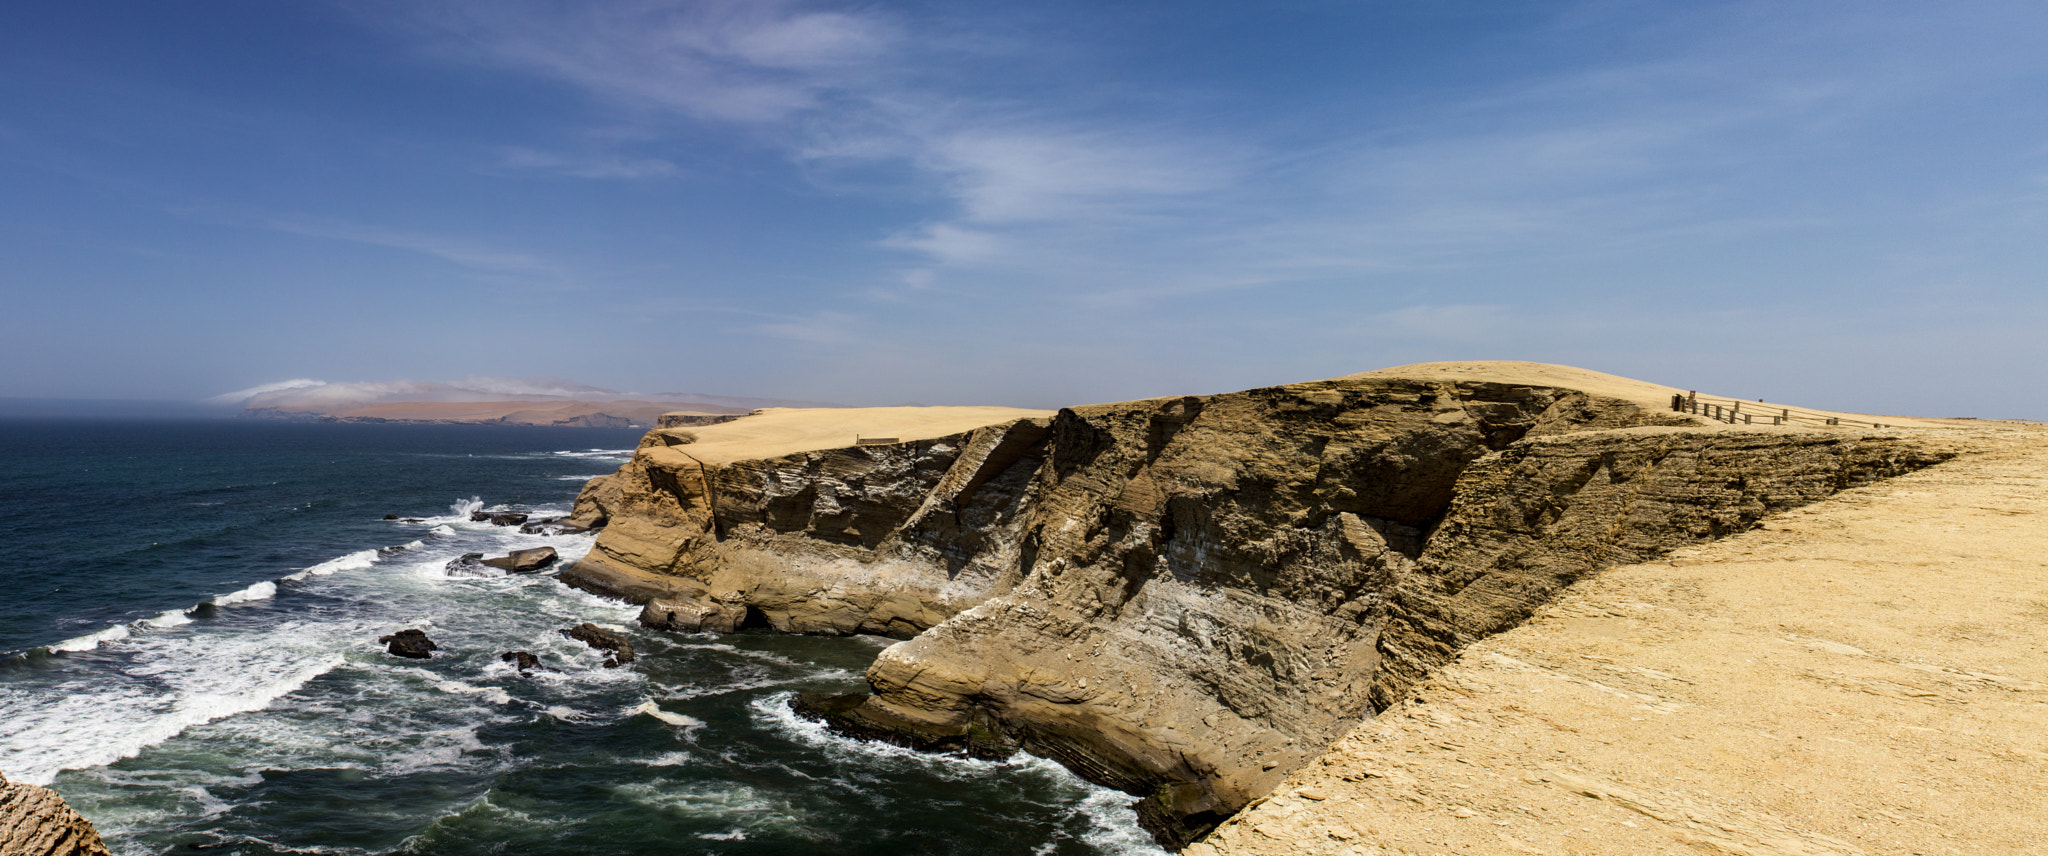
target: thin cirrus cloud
828 89
588 166
469 253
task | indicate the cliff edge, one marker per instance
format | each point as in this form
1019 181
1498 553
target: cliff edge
1187 598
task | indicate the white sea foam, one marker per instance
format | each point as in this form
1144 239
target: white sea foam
687 723
1113 828
443 530
168 618
95 725
735 835
356 561
260 591
91 640
598 453
493 695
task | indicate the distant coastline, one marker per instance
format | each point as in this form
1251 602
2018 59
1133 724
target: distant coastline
568 414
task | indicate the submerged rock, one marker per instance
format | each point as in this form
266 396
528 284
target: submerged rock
409 643
524 660
597 637
469 565
553 526
524 561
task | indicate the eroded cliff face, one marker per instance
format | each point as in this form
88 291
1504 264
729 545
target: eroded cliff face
1186 598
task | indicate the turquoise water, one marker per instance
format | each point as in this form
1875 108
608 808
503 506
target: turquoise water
188 653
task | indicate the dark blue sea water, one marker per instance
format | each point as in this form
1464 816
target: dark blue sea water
188 653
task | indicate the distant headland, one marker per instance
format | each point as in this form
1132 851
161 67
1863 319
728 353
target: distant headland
487 401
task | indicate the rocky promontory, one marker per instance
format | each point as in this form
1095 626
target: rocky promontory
1188 598
35 821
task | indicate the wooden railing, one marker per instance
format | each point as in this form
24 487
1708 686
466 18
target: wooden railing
1736 412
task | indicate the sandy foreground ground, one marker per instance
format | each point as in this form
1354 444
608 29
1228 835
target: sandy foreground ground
1866 675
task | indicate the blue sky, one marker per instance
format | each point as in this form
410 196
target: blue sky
1837 204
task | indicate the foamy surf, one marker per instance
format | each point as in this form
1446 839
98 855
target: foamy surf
687 723
260 591
91 640
95 728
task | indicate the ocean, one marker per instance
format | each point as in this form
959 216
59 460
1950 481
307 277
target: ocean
188 653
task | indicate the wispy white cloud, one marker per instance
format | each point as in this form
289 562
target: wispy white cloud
829 88
1691 144
589 166
466 252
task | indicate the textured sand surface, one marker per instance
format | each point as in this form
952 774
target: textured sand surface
774 432
1866 675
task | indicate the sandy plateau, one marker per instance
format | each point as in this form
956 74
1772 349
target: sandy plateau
1867 674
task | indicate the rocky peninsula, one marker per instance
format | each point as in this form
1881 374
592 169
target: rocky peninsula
1189 598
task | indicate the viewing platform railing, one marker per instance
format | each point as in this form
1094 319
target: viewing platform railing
1736 412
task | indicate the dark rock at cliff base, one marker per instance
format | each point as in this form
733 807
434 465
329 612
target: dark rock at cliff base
850 715
597 637
35 820
524 660
409 643
497 518
524 561
553 526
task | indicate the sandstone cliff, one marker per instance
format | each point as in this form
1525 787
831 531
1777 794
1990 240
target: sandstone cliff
1187 598
34 821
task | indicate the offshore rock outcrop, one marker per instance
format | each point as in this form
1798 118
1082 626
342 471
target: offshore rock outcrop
35 821
1186 598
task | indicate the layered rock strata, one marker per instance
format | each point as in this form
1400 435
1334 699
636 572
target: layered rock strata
34 821
1186 598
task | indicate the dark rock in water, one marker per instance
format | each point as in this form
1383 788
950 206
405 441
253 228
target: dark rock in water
524 561
850 714
497 518
390 517
409 643
553 526
602 639
523 659
470 565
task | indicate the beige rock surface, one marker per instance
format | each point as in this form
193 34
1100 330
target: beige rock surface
1867 674
34 821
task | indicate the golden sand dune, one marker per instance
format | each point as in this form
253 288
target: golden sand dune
1614 386
774 432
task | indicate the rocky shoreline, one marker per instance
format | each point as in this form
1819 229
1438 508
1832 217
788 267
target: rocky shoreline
1189 598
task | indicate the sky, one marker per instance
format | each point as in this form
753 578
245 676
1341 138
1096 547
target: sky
1841 205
